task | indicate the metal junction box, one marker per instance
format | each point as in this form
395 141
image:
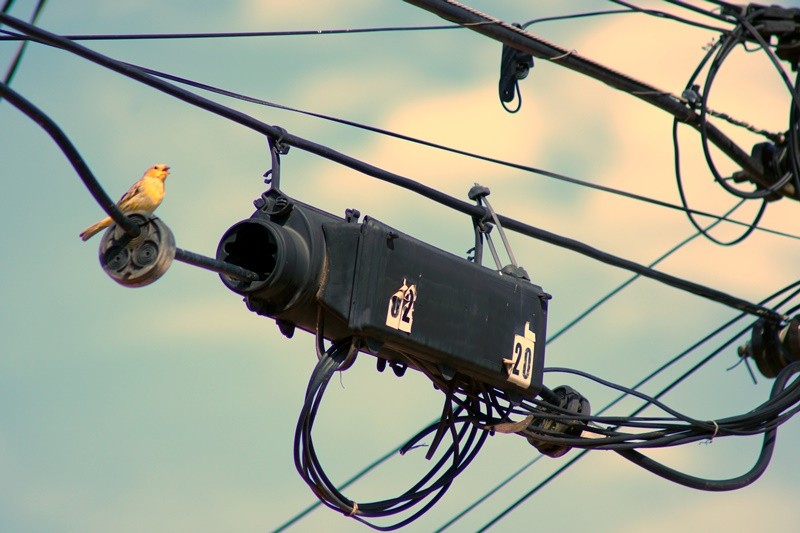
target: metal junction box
406 300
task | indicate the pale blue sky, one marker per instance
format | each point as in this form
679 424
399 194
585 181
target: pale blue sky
173 408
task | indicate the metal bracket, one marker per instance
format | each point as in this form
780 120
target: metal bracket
277 148
483 229
774 21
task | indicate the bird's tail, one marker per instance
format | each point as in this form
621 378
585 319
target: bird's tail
94 229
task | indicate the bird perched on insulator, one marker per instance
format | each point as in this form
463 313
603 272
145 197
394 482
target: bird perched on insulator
144 195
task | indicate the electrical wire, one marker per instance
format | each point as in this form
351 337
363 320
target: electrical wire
572 323
727 484
316 387
521 40
685 202
792 289
702 102
550 340
74 157
723 48
7 6
720 426
379 173
698 10
245 34
12 69
465 153
467 439
530 493
361 473
722 53
669 16
588 14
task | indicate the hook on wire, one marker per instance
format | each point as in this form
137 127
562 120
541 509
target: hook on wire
277 148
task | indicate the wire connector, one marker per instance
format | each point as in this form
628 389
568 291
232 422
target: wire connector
773 348
568 400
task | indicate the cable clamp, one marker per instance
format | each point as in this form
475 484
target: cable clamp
692 96
716 430
277 143
564 55
483 227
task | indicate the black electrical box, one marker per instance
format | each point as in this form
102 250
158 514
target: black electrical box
404 299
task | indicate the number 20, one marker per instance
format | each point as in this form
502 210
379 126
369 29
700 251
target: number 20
526 357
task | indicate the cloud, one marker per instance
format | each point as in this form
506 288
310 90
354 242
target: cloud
728 512
284 14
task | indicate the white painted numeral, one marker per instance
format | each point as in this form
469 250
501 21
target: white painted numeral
400 314
520 366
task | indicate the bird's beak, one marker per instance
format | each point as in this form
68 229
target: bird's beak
166 168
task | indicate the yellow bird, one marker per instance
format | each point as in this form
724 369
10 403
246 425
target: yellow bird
144 195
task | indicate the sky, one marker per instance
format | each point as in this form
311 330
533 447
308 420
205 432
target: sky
172 407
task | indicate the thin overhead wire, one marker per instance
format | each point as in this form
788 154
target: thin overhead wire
74 157
550 340
384 175
619 288
355 477
792 290
518 38
241 34
757 309
457 151
626 392
699 10
670 16
630 8
15 63
588 14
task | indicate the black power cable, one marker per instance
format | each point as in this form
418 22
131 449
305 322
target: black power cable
422 142
101 197
12 69
467 439
74 157
240 34
738 482
379 173
689 212
521 40
633 278
668 16
724 50
361 473
698 10
792 289
550 340
682 438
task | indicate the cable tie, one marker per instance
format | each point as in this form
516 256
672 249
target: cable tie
716 430
354 511
562 56
278 145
